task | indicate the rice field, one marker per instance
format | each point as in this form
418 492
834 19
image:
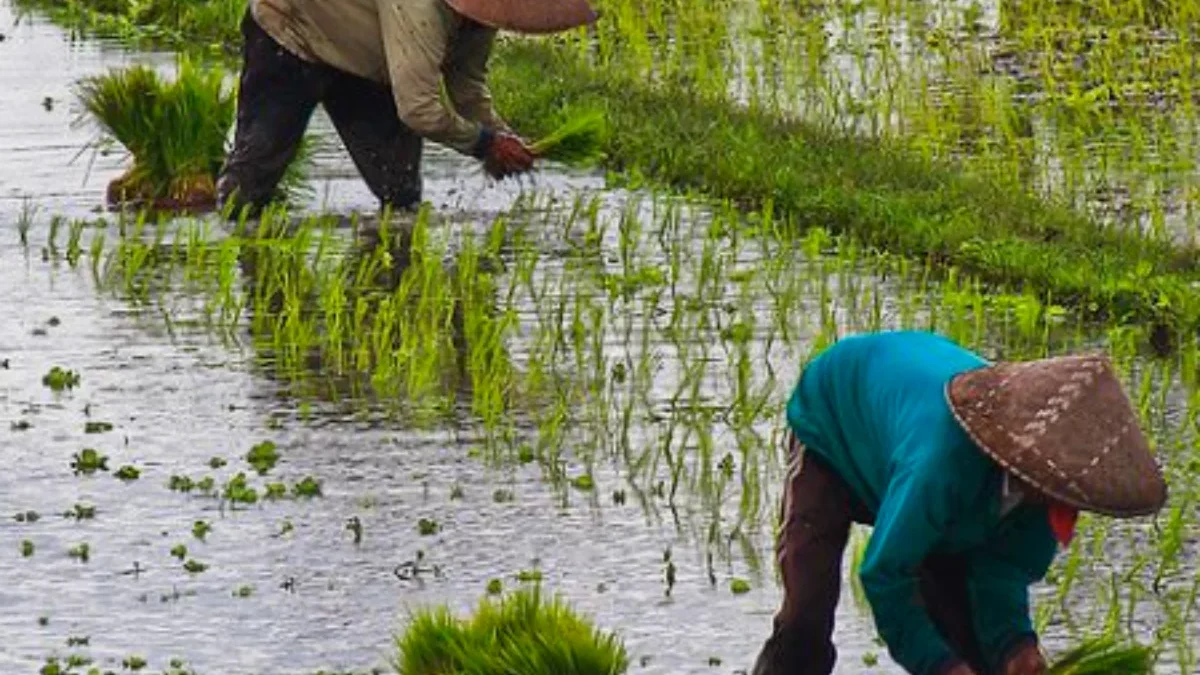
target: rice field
255 446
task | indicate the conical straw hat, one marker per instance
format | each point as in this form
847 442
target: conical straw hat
1064 426
527 16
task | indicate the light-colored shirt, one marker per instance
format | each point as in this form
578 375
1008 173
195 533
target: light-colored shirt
413 46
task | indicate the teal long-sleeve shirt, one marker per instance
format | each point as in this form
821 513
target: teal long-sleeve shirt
873 406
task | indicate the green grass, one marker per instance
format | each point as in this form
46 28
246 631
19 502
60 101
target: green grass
519 633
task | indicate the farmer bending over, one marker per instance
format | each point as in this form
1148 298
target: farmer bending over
971 473
378 67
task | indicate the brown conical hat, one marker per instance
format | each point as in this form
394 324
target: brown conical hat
527 16
1064 426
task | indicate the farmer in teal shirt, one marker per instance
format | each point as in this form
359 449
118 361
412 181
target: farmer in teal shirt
971 475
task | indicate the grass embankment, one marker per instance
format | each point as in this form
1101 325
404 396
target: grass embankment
882 195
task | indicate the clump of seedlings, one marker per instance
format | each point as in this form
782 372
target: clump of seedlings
175 130
88 461
81 552
578 141
97 427
60 379
518 633
263 457
128 473
194 566
200 529
308 487
1104 656
81 511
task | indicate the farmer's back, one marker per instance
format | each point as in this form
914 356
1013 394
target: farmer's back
872 403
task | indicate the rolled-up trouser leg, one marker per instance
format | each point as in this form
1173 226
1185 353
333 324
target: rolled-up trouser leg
277 94
386 152
943 583
816 518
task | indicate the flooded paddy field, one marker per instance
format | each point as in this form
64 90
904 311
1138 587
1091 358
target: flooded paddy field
558 381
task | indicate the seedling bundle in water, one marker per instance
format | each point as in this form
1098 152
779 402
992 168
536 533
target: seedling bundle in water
520 633
176 132
1104 656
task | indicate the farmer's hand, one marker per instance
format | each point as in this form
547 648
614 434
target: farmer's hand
507 156
1027 661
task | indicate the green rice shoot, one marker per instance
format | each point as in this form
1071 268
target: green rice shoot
578 141
519 633
1104 656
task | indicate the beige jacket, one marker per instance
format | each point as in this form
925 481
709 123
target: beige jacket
412 45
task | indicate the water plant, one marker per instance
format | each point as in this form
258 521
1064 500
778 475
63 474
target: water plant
194 566
81 511
88 461
739 586
26 548
179 551
263 457
428 527
60 379
128 473
200 529
81 552
97 427
520 632
308 487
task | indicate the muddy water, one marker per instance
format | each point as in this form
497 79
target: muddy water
176 401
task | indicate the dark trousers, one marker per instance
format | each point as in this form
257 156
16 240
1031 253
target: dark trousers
817 512
277 95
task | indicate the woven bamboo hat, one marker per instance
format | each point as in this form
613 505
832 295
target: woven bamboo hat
527 16
1065 427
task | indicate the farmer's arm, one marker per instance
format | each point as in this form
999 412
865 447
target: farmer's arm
466 72
999 576
415 36
913 514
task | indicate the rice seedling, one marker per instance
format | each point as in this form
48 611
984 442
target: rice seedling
97 427
521 632
263 457
175 131
128 473
89 461
60 379
201 529
308 487
194 566
1104 656
26 548
179 551
579 140
81 552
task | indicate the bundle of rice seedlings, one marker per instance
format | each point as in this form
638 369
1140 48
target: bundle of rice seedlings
578 141
1104 656
520 633
176 131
